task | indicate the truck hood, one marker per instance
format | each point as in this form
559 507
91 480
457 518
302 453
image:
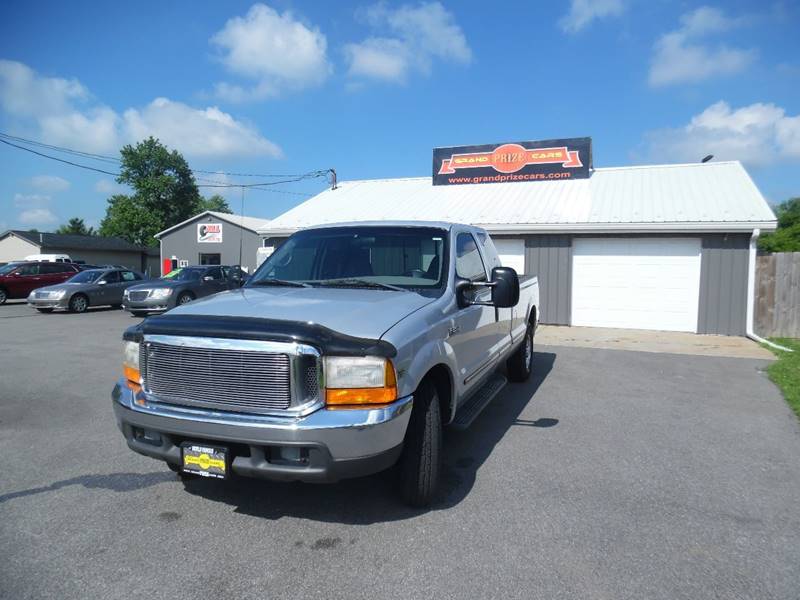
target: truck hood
365 313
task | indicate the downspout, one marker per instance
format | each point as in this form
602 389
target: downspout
751 295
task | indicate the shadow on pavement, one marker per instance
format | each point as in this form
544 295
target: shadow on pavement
116 482
376 498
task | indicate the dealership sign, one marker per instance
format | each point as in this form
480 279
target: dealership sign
209 233
520 161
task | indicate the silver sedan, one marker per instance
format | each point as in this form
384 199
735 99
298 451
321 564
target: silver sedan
93 287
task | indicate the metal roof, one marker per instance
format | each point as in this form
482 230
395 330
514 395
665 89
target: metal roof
74 242
252 223
715 196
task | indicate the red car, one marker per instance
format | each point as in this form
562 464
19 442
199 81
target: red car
19 279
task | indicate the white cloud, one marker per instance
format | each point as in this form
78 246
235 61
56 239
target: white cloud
583 12
681 57
274 50
379 58
419 35
207 132
107 186
37 216
49 183
757 134
69 117
34 210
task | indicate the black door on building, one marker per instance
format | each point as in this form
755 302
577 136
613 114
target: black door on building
210 259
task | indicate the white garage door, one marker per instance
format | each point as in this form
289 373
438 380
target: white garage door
636 283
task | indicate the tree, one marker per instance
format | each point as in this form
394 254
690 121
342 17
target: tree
76 226
787 237
216 203
128 219
165 193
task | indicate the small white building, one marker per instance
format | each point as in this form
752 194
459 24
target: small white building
667 247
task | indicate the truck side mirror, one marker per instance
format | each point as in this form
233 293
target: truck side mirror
505 287
504 284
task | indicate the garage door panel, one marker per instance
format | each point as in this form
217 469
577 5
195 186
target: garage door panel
641 283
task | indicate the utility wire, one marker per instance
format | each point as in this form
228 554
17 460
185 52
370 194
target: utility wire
112 159
59 159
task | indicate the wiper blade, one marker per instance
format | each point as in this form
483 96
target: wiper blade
356 282
284 282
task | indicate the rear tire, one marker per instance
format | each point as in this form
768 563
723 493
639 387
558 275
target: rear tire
520 364
421 461
3 296
45 310
78 303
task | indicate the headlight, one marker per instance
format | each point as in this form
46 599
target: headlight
58 295
359 380
130 362
160 293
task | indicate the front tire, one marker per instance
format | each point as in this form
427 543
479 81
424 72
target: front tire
185 298
78 303
421 461
520 364
3 296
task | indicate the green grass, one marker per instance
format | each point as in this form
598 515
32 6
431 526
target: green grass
785 372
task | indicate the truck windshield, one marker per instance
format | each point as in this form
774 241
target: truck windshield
376 257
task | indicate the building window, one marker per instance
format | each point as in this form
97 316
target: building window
210 259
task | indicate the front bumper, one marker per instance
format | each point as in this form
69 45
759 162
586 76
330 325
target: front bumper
48 302
150 305
334 444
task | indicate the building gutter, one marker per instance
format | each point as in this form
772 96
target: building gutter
597 228
751 295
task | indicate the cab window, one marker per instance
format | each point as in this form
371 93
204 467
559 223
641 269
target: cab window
215 273
129 276
111 277
469 263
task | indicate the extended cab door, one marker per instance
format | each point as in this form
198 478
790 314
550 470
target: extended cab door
474 332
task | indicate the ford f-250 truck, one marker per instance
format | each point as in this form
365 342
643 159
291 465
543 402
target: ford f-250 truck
347 352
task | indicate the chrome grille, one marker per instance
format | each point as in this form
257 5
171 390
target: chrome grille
138 296
42 295
218 378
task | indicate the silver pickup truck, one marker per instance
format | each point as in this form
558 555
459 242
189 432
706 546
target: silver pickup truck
346 353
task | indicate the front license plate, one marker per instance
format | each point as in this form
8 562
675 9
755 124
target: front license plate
207 461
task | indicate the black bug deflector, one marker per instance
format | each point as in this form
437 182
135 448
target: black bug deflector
253 328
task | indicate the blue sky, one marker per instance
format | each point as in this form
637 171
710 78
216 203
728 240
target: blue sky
370 89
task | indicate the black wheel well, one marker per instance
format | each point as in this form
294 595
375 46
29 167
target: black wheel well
443 381
532 316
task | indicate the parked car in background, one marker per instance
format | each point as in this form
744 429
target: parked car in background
181 286
18 279
93 287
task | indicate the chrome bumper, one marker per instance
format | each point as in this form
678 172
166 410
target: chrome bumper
349 442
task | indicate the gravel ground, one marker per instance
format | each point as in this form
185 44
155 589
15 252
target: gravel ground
611 474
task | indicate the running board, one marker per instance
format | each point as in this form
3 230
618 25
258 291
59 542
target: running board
469 411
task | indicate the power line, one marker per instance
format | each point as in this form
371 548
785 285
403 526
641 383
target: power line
59 159
112 159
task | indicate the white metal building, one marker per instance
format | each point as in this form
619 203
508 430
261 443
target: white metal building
667 247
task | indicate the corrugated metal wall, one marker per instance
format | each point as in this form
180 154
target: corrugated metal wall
549 257
723 284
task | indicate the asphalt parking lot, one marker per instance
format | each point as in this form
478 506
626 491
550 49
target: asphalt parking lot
611 474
